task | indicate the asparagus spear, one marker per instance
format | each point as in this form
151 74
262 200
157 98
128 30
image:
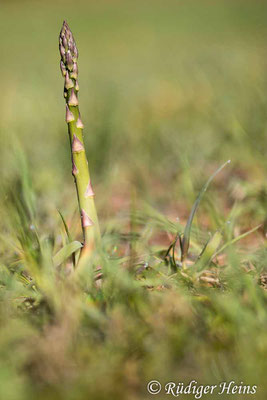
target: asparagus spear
80 170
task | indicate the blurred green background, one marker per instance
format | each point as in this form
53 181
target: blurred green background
169 90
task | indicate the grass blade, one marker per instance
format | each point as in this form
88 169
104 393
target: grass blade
65 226
209 250
186 238
236 239
68 235
64 253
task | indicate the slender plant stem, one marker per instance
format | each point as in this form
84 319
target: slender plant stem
80 170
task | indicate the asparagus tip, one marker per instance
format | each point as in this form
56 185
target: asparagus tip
67 46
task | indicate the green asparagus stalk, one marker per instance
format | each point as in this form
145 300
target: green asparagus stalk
80 170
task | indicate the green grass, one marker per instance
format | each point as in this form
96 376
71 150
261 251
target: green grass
169 90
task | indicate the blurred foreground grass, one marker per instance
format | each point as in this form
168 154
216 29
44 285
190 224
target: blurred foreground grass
168 91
